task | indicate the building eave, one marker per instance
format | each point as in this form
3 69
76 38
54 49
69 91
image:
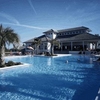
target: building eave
82 37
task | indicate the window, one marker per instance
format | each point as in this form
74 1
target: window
63 33
45 47
67 33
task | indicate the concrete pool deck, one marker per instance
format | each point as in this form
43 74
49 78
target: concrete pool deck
58 55
24 64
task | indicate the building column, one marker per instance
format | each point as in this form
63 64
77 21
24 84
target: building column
94 46
71 46
61 46
83 45
43 47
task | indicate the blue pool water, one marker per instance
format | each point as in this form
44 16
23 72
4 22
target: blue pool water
49 78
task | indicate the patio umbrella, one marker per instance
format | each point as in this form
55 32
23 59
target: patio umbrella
30 48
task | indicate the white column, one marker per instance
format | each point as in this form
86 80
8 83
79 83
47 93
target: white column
93 46
61 46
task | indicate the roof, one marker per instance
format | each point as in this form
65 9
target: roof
39 37
51 30
29 41
66 36
73 37
42 37
85 36
69 29
73 29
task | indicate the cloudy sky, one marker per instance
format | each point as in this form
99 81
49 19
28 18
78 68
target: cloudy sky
29 18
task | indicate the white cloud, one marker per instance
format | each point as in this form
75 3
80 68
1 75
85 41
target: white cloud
27 26
15 22
9 17
30 2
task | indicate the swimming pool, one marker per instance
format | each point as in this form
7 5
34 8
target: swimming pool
49 78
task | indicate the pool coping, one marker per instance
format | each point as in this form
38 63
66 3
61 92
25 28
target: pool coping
14 66
58 55
15 56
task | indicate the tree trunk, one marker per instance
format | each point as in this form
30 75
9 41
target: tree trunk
52 51
37 49
2 54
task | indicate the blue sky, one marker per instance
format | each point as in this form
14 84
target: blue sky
29 18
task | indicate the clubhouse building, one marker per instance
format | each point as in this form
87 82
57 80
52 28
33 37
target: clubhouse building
70 40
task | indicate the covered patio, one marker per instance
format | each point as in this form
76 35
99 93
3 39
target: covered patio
83 42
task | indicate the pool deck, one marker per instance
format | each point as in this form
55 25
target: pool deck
24 64
16 56
58 55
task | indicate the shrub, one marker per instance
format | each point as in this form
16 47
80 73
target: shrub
10 63
47 54
2 66
18 63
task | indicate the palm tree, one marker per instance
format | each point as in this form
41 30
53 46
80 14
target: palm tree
36 42
54 42
7 37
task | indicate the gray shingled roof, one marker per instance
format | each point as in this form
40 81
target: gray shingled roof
72 29
85 36
51 30
43 37
76 37
66 36
65 30
29 41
